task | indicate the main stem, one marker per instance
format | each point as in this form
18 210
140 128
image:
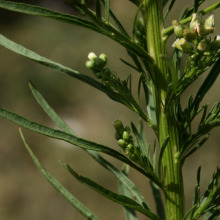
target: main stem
167 125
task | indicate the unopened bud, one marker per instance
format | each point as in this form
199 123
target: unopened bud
178 28
209 22
119 128
203 46
90 64
126 136
103 57
182 45
122 143
92 56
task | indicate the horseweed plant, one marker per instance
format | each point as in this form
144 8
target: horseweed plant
162 82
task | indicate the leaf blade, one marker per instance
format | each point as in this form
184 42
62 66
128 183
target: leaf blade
58 186
120 199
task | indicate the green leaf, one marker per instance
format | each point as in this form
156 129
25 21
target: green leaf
158 201
124 181
98 9
120 199
140 141
85 144
169 9
107 6
106 29
39 11
59 67
207 84
58 186
129 213
50 112
211 198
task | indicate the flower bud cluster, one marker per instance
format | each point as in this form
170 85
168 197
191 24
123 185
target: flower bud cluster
95 63
193 39
125 140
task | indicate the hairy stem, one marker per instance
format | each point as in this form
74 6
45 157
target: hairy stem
167 125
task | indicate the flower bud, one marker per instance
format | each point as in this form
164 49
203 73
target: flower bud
182 45
128 129
189 35
90 64
196 23
92 56
209 24
178 28
119 128
122 143
126 136
103 57
203 46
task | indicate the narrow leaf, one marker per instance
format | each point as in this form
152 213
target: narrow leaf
59 67
123 180
85 144
107 6
98 9
39 11
120 199
58 186
50 112
207 84
129 213
158 201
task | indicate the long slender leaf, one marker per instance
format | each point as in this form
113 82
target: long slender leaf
120 199
59 67
85 144
124 181
58 186
158 201
207 84
130 214
106 29
39 11
50 112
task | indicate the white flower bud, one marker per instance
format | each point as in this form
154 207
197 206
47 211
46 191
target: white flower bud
183 45
92 56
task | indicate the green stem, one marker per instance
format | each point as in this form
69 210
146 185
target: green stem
167 125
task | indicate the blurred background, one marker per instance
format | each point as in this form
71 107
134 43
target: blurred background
24 193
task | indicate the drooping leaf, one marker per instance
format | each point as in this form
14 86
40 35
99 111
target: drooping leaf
44 12
59 67
50 112
120 199
130 214
123 180
169 9
58 186
72 139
